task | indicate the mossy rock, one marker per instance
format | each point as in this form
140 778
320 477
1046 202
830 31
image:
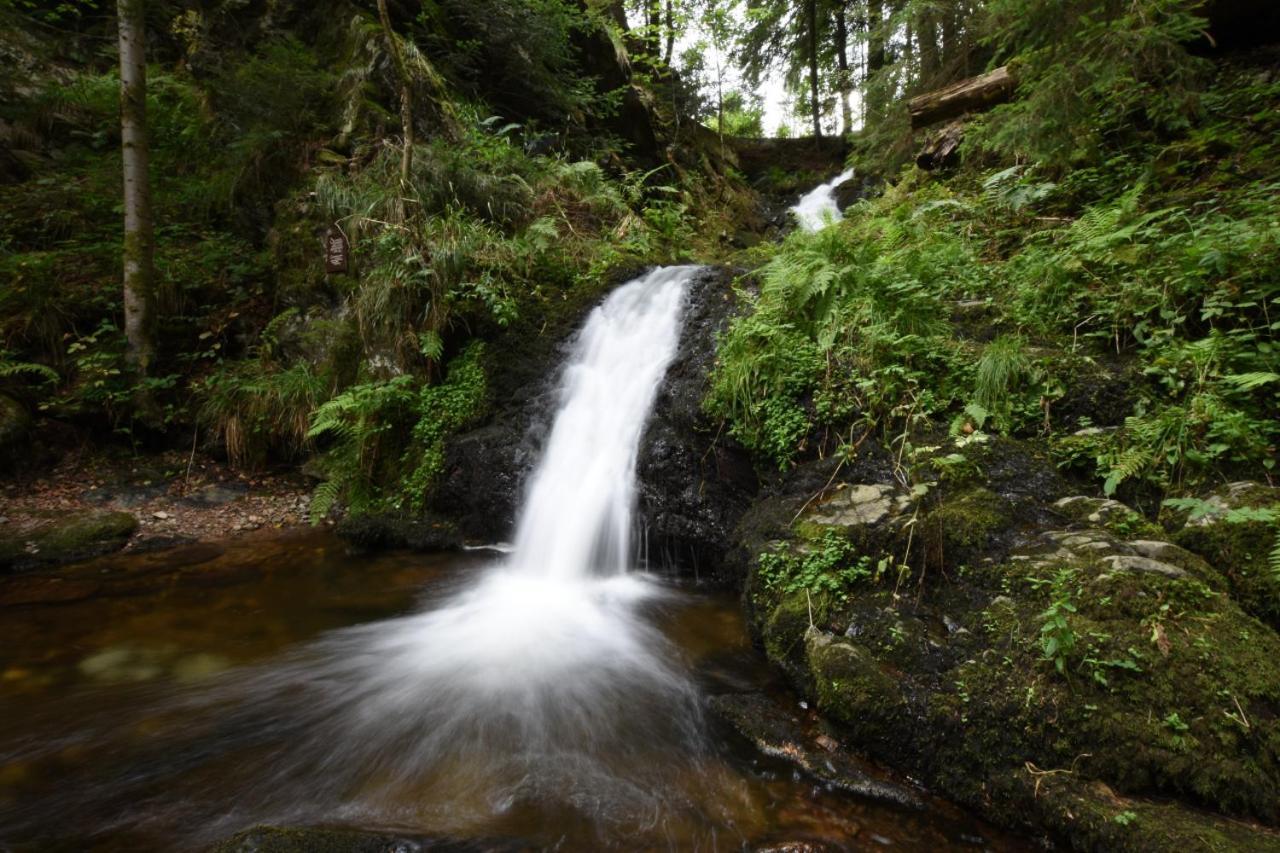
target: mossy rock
852 688
15 424
1239 548
90 534
965 527
1112 515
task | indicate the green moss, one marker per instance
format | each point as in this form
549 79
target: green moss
785 629
1240 552
960 528
853 689
67 540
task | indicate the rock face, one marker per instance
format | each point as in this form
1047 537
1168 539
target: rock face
1051 660
15 426
66 539
694 485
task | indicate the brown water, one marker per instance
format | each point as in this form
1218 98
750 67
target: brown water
167 700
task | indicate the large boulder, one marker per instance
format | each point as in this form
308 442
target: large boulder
1051 660
1236 528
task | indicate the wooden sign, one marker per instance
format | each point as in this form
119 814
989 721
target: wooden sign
337 251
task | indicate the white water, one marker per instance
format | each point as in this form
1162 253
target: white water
817 208
576 518
542 679
539 686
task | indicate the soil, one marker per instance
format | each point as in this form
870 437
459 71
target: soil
175 497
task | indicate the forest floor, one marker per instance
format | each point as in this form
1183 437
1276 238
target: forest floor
176 497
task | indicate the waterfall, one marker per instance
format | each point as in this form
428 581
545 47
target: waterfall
542 679
817 208
538 685
576 518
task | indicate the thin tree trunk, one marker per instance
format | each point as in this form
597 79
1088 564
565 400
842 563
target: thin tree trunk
406 95
671 31
139 233
655 30
813 68
876 60
927 36
842 58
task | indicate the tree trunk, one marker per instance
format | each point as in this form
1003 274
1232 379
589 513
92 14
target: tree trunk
813 68
842 59
941 149
671 31
973 94
876 61
927 36
139 233
654 18
406 95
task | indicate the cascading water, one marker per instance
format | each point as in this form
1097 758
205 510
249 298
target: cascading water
576 518
541 685
817 208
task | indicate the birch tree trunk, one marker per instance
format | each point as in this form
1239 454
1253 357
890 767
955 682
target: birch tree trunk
139 232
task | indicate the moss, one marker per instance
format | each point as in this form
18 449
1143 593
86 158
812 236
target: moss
961 528
1240 551
853 689
784 631
64 541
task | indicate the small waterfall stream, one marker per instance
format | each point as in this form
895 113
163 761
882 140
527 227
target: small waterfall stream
817 208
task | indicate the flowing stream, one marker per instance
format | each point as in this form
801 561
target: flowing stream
553 695
817 208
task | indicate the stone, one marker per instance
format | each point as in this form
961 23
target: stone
1134 563
67 539
216 494
777 732
863 505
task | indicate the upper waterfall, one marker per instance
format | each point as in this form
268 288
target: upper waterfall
817 208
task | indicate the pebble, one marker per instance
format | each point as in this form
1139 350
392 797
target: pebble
160 515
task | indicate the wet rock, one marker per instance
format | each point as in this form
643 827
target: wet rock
694 483
277 839
65 540
855 189
778 733
381 532
861 505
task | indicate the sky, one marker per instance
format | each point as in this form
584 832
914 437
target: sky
777 107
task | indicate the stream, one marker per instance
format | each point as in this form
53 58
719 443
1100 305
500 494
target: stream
549 695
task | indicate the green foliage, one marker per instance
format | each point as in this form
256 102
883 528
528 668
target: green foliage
1057 638
257 407
369 464
1092 74
829 566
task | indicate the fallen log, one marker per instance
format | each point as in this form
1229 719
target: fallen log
941 148
973 94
